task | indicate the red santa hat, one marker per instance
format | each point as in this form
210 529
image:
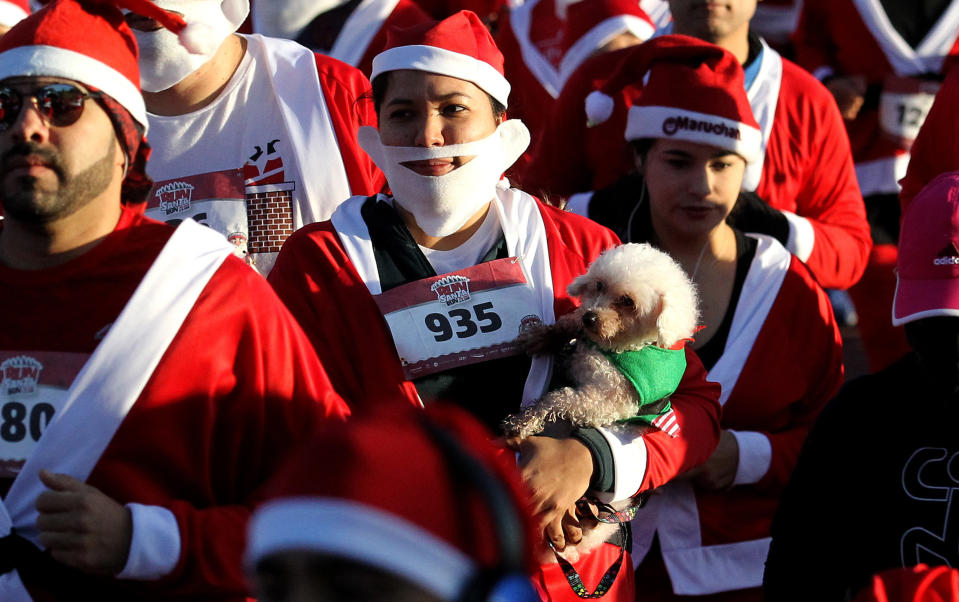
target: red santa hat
927 271
87 42
693 91
13 11
459 46
384 490
919 583
590 24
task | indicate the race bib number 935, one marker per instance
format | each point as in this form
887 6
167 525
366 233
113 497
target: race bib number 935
460 318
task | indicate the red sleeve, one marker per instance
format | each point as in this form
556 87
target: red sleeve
936 149
304 290
830 197
696 405
281 396
347 93
239 389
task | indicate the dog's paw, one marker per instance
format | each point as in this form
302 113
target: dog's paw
537 340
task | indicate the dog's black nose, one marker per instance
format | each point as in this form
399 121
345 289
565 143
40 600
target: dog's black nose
590 319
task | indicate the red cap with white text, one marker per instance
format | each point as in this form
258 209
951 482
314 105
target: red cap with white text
927 272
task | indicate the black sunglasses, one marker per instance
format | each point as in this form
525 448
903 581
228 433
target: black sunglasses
58 104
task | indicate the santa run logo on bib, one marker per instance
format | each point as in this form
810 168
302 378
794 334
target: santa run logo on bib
465 317
175 197
252 207
452 289
33 387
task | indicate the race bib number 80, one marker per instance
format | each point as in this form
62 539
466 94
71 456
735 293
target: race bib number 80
459 318
33 388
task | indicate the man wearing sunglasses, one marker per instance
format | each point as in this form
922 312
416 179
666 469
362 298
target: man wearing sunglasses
139 420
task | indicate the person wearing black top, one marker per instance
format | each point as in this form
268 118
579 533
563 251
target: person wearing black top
876 482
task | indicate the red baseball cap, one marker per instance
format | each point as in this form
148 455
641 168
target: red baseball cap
927 273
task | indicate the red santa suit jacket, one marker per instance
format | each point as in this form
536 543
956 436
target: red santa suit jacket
317 278
237 387
850 37
772 392
936 149
807 170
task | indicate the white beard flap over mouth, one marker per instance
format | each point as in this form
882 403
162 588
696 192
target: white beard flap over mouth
164 61
442 204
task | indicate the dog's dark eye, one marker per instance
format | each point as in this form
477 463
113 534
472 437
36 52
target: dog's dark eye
626 301
600 286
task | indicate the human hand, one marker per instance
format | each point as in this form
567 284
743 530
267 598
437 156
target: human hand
81 526
719 471
850 93
557 472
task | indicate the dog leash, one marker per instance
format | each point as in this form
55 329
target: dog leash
608 515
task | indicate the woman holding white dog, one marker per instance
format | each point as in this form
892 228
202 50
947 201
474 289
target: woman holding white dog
770 338
415 295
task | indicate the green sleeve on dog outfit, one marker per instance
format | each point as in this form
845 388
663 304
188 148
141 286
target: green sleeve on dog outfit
655 373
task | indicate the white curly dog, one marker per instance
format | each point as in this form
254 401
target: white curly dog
632 296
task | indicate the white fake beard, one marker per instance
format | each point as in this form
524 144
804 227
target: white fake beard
443 204
164 62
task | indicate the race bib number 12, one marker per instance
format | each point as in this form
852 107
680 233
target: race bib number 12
460 318
903 106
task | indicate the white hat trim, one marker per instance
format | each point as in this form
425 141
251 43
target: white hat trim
51 61
444 62
680 124
599 35
11 14
363 533
933 312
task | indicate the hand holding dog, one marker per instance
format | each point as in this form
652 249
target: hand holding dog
558 473
719 471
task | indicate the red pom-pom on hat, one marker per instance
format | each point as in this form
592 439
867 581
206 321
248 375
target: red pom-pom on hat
459 46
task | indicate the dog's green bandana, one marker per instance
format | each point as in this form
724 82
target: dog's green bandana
655 373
